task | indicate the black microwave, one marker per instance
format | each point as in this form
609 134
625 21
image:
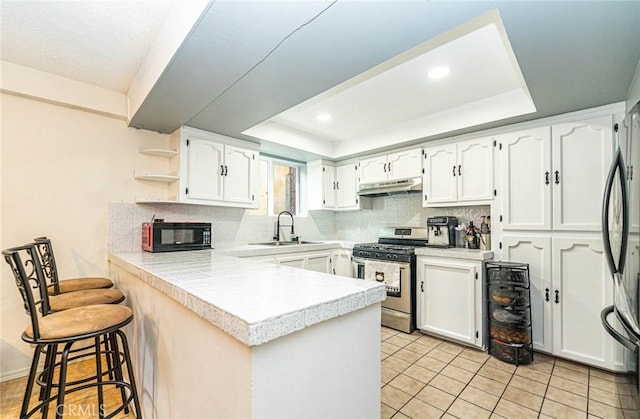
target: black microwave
171 237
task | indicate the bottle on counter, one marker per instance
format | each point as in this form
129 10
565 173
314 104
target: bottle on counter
472 236
485 233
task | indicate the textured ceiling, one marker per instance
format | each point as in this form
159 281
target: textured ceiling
97 42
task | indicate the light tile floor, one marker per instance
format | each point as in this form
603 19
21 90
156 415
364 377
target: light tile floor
425 377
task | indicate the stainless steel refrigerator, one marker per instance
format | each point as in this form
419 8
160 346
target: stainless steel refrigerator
620 214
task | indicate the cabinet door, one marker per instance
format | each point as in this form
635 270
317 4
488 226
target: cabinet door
405 164
328 187
373 169
582 153
581 289
475 170
526 179
341 262
439 182
347 191
319 263
448 303
536 251
240 170
293 260
205 168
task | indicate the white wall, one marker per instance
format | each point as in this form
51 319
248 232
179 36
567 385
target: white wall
59 169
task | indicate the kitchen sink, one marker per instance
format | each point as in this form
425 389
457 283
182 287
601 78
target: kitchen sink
284 243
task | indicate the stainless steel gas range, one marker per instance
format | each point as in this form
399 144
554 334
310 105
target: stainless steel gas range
392 260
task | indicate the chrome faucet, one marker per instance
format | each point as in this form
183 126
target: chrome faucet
276 235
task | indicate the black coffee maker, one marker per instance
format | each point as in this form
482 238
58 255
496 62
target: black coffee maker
442 231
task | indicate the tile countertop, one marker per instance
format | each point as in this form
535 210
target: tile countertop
455 252
253 301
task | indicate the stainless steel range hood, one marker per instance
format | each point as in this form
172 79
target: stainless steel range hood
391 187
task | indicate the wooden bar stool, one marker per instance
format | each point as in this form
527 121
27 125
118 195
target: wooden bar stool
49 330
57 286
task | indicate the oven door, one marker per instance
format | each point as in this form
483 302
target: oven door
398 293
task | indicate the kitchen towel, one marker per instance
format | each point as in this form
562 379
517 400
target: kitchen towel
389 273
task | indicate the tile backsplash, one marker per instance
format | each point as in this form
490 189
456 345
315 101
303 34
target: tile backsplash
398 210
234 226
231 226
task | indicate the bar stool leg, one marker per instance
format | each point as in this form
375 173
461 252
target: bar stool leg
99 378
50 365
119 376
46 374
132 381
30 380
62 380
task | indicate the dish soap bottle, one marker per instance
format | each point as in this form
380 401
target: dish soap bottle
472 236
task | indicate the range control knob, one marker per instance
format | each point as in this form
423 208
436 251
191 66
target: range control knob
395 257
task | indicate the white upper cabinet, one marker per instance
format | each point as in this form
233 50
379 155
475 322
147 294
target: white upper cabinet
216 170
240 167
399 165
553 177
458 173
328 187
346 186
582 153
373 169
205 173
475 170
526 179
333 187
439 184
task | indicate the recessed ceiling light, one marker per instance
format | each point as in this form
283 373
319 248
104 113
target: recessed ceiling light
438 72
323 117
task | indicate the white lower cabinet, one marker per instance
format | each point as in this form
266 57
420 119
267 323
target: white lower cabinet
450 299
570 285
536 251
336 262
319 261
341 262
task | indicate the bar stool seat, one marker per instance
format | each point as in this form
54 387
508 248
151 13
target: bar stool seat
70 324
81 284
77 299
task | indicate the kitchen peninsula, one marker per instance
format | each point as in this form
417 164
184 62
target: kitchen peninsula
219 336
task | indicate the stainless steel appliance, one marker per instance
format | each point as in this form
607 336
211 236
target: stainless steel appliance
160 236
620 236
392 260
442 231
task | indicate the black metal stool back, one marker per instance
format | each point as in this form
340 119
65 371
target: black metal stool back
45 252
56 286
29 278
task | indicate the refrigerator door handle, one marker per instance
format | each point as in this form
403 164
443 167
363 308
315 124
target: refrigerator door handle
632 346
616 165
